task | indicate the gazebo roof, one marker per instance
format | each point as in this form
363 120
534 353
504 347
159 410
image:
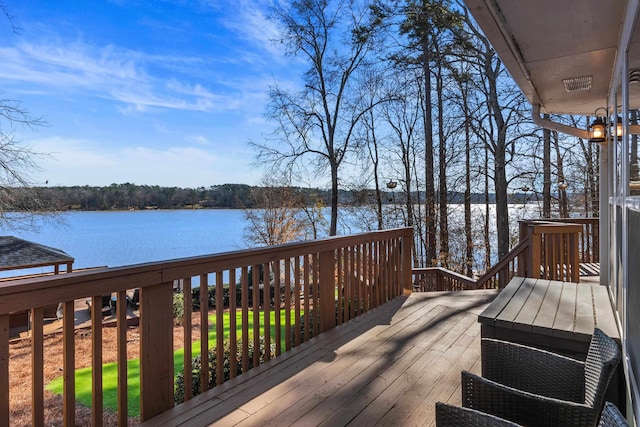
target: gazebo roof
17 253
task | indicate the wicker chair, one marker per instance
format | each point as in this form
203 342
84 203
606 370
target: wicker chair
530 386
455 416
611 417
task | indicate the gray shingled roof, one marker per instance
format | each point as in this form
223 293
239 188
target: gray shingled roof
18 253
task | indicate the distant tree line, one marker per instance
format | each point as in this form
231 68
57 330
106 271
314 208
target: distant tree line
130 196
227 196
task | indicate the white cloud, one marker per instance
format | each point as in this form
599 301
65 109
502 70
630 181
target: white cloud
84 162
112 73
250 22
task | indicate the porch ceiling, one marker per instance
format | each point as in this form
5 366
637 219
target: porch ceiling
544 42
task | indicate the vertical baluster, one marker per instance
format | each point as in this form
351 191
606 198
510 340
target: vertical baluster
96 362
266 310
69 364
397 270
287 303
376 283
315 289
385 266
366 274
219 329
245 317
394 248
297 300
233 333
4 370
204 332
351 283
307 311
378 269
276 307
359 280
37 366
340 284
187 330
255 279
121 319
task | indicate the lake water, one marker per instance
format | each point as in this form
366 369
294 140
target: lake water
131 237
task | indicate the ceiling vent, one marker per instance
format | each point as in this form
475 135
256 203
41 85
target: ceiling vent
575 84
634 75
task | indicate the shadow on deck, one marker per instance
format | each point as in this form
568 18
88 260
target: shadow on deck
386 367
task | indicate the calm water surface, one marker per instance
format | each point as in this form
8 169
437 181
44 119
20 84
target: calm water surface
131 237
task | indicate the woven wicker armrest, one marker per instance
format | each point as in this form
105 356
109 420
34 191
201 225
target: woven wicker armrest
522 407
455 416
611 417
533 370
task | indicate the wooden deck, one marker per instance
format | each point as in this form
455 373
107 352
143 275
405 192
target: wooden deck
386 367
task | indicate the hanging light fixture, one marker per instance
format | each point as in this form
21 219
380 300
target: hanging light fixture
598 129
618 127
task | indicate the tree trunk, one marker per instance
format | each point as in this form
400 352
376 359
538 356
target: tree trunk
334 199
487 212
430 219
467 190
563 206
546 172
442 176
502 208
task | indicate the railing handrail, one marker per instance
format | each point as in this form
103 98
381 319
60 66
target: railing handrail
581 245
515 252
18 295
470 282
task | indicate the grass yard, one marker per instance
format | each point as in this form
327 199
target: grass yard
110 370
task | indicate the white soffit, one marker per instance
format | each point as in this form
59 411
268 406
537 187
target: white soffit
543 43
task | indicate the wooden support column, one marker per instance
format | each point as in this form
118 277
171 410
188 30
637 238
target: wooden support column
327 291
4 370
156 350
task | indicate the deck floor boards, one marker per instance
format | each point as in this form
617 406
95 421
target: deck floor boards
387 367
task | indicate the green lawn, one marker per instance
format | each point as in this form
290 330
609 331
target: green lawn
110 370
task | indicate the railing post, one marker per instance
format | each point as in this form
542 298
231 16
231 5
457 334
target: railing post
407 245
156 350
523 258
574 256
327 291
533 262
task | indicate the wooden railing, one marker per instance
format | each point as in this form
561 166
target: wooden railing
549 249
309 287
441 279
587 230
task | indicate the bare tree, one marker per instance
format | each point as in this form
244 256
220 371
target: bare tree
19 203
277 217
317 123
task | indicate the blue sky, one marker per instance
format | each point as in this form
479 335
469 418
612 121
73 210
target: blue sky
149 92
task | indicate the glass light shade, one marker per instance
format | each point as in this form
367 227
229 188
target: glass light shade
597 131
